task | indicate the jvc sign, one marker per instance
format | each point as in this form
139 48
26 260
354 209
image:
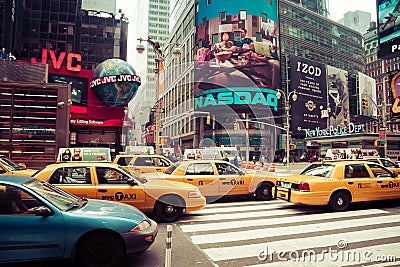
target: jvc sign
57 61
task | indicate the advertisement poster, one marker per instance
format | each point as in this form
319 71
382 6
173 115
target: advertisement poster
236 53
395 92
83 154
367 90
308 79
338 97
389 28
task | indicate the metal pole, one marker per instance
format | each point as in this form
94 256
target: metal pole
287 133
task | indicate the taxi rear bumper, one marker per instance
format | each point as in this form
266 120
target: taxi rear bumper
302 197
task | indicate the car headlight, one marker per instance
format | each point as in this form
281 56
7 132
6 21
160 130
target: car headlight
141 226
194 194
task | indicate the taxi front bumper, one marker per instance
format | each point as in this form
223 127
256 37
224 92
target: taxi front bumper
302 197
195 203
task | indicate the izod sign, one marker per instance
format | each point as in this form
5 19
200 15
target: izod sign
57 61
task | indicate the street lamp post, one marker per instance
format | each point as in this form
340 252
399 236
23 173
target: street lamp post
292 94
160 57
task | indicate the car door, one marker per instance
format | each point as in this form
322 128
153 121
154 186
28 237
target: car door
388 186
359 181
231 180
112 184
76 180
201 174
27 236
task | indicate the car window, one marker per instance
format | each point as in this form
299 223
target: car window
143 161
388 163
124 161
356 171
374 160
199 169
107 175
14 200
379 171
171 168
226 169
71 175
160 162
322 170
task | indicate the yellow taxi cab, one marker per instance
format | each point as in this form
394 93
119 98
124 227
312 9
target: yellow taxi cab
217 178
7 166
143 163
388 163
339 183
99 180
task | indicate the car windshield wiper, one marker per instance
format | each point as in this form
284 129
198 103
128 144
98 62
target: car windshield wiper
80 203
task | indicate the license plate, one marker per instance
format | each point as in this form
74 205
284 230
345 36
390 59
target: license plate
286 185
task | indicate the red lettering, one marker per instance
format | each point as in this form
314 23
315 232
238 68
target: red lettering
69 62
44 57
57 62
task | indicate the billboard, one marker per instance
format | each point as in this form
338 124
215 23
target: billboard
389 28
395 92
367 89
308 79
236 54
338 97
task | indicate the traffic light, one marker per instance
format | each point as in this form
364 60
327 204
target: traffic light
208 121
365 103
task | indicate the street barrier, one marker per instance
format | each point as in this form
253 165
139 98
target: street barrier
168 246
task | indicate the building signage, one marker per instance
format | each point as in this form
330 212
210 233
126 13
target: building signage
333 131
236 96
308 79
86 122
114 79
57 61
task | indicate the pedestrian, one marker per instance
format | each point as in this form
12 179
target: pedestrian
226 158
236 161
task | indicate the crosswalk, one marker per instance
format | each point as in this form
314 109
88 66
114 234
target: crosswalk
278 233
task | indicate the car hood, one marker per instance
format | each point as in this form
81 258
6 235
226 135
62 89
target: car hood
99 208
297 179
158 183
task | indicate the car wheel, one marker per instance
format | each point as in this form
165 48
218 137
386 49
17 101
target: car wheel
100 249
167 212
264 192
339 201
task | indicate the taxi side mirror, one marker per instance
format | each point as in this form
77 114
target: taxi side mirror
132 182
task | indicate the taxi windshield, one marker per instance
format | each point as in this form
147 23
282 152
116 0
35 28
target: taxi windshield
59 198
322 170
171 168
12 166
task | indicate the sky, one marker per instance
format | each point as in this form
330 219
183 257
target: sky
338 8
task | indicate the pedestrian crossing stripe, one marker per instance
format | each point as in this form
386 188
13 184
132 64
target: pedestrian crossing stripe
224 225
329 240
290 230
233 208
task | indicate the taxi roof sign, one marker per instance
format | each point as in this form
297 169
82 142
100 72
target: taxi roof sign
92 154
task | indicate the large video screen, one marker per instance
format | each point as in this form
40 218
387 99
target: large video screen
389 28
236 54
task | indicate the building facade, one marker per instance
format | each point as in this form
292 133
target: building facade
303 33
71 42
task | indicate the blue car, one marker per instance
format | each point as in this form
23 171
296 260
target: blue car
39 221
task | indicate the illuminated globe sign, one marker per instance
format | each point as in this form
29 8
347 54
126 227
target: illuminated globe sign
115 82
